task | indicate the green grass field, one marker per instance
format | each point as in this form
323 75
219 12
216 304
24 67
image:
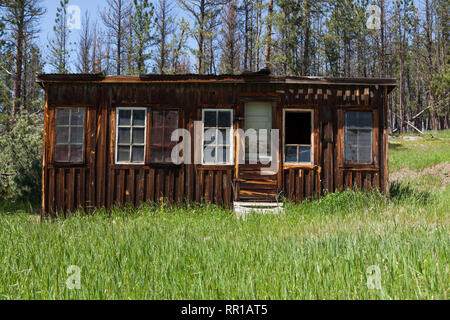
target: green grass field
317 250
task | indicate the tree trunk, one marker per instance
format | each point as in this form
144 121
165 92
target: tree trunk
246 35
269 35
382 32
400 106
306 62
18 71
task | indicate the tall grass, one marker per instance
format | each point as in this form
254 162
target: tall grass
317 250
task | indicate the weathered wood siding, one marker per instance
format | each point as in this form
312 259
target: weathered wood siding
99 182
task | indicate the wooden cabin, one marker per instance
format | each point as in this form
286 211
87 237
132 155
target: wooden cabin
107 139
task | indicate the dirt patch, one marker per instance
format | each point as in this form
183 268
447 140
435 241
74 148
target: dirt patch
442 171
412 138
406 138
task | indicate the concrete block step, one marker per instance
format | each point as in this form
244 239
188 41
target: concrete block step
242 209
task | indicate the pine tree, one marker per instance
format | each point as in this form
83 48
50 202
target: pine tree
20 19
165 26
140 36
231 42
116 19
178 55
59 52
201 12
85 46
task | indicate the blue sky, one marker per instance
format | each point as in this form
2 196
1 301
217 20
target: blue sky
48 20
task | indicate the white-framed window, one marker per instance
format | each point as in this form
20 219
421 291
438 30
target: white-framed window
131 135
298 136
69 135
217 136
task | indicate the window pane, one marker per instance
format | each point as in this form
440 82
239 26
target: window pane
157 119
76 153
124 117
168 136
210 119
224 119
351 152
304 154
364 138
76 135
351 119
224 154
365 119
171 119
365 154
297 128
351 137
156 137
124 136
138 135
209 136
156 155
168 155
77 117
291 154
62 153
123 154
209 155
139 117
62 134
62 116
224 136
357 119
137 154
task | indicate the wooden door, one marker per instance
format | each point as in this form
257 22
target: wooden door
253 186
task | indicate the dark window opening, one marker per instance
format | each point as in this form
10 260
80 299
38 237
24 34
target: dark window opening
298 137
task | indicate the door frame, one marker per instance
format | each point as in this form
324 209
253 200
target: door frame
243 98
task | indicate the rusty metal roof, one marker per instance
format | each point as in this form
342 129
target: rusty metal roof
258 77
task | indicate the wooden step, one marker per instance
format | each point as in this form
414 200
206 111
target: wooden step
258 193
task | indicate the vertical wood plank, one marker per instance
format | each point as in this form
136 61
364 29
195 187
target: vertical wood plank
348 180
140 187
151 185
291 184
51 192
71 190
301 184
121 187
129 191
358 180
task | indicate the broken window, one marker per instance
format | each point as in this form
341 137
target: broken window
69 135
130 135
217 136
298 133
358 137
164 122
